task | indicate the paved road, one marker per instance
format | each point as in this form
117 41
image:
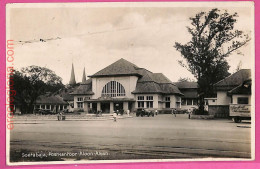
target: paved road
160 137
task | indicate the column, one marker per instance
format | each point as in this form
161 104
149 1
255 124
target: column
111 107
98 106
125 106
85 107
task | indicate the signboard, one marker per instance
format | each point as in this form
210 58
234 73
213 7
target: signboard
243 110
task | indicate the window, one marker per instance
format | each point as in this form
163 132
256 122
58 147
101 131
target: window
183 102
189 101
149 97
80 105
48 107
140 98
140 104
149 104
80 99
80 102
140 101
113 89
242 100
167 99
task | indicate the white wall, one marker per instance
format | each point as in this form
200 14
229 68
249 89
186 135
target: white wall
155 100
223 98
128 82
76 99
211 101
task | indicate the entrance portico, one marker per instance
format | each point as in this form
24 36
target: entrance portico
109 104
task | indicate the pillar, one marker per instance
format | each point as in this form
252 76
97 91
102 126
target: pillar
111 107
85 107
125 106
98 106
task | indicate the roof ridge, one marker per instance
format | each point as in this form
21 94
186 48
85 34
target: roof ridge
231 75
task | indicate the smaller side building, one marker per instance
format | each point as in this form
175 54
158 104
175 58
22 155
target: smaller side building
50 103
234 89
190 91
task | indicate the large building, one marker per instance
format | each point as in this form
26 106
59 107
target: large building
125 86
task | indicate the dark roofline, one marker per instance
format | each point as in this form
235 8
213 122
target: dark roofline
117 75
216 84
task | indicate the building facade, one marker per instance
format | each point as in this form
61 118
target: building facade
125 86
190 98
225 87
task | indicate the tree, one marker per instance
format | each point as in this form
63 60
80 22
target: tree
213 40
33 81
239 66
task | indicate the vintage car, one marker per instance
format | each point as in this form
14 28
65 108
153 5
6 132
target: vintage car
144 112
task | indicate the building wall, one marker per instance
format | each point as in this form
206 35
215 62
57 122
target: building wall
128 82
211 101
76 100
223 98
155 100
235 97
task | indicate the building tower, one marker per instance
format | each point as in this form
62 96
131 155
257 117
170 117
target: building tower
72 77
84 76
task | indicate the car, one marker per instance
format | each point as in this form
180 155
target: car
144 112
45 112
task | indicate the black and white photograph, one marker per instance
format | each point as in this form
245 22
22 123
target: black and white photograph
113 82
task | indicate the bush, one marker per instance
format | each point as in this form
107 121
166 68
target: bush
198 112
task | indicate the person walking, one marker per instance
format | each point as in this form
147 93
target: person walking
114 116
174 112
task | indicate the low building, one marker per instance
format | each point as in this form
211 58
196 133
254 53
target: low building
125 86
232 90
51 103
230 83
190 98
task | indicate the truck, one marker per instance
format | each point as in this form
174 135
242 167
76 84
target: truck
240 112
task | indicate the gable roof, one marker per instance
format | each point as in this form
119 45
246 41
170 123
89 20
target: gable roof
84 88
244 88
233 80
148 82
118 68
187 85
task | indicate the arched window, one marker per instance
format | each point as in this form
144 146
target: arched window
113 89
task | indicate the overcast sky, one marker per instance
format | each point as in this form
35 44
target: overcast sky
94 37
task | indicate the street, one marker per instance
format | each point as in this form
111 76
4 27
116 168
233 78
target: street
159 137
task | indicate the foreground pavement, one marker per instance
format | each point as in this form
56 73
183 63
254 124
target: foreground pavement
159 137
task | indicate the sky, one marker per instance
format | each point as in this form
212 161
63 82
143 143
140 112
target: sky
96 36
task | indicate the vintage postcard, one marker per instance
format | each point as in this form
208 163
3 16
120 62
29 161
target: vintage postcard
121 82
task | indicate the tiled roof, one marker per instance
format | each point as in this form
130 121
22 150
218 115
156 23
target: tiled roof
84 88
233 80
187 85
50 100
244 88
148 82
118 68
190 93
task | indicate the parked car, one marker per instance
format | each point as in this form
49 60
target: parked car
45 112
144 112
